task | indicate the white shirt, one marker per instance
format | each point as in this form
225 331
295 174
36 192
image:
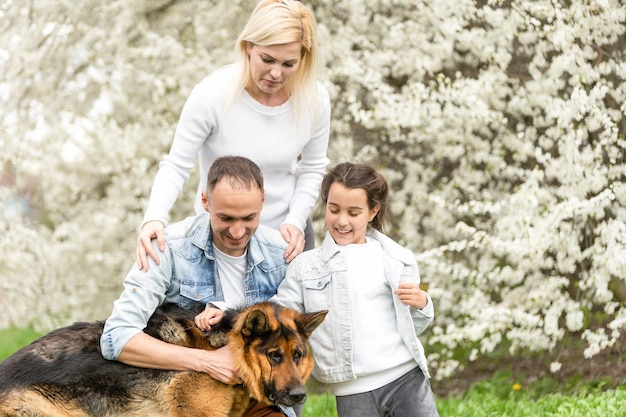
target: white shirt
231 271
379 354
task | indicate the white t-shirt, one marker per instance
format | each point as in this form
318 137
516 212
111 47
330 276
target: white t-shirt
379 354
231 271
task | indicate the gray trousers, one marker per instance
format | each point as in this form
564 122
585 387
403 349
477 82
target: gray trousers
408 396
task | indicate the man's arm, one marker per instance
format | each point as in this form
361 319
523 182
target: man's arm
148 352
123 338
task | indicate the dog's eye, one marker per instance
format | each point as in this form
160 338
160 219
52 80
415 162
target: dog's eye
275 356
297 355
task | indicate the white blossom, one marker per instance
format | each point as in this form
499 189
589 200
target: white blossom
498 124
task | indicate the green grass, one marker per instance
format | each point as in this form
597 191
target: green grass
480 403
320 405
498 397
519 404
13 339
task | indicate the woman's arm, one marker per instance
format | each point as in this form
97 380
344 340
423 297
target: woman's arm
193 129
311 167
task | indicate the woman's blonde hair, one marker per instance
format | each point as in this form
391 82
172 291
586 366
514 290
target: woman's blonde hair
277 22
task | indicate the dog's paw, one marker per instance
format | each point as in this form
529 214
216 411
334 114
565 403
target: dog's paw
216 339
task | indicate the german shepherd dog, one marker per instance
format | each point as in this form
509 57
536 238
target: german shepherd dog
64 374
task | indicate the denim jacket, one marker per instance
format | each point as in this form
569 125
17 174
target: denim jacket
187 276
318 280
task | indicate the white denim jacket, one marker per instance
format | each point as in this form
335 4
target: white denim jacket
317 280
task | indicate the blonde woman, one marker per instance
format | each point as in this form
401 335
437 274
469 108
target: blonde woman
269 107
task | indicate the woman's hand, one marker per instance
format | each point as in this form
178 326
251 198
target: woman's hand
295 239
150 230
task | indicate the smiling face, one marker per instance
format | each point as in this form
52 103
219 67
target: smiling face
270 68
347 214
235 213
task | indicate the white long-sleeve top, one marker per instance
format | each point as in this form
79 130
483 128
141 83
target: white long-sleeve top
290 151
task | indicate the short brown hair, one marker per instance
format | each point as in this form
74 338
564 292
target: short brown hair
239 170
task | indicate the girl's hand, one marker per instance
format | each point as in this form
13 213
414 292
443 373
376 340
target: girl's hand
410 294
209 317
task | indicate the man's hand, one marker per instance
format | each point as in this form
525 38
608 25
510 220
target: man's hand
150 230
219 364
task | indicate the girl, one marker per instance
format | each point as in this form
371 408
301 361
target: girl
367 349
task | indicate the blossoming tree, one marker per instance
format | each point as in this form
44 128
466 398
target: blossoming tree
500 125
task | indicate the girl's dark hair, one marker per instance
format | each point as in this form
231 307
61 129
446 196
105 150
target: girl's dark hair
356 175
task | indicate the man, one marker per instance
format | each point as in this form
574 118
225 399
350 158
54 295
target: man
223 257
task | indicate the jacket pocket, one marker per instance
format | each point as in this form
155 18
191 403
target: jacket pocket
317 293
195 292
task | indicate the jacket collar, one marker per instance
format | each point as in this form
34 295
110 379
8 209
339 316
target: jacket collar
330 248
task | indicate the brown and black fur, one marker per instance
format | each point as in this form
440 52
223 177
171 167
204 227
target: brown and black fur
64 373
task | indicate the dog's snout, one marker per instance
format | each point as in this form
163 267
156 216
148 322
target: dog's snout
293 396
298 398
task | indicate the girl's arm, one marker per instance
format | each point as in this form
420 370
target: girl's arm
290 291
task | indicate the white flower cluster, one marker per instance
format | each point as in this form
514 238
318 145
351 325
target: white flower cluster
505 124
89 97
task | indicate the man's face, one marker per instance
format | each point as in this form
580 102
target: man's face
235 213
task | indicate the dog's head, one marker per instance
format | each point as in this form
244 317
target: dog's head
272 353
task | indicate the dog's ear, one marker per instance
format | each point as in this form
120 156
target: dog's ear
256 324
310 321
